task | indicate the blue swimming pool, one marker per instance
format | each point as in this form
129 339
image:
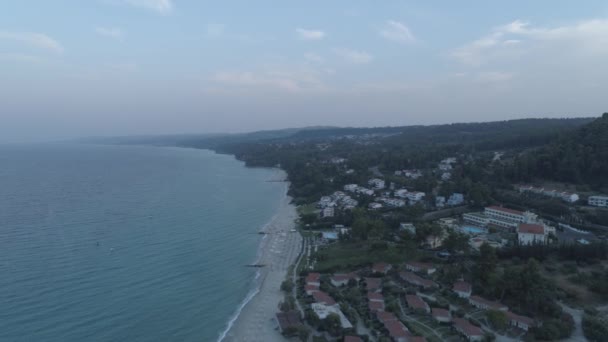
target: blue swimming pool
473 230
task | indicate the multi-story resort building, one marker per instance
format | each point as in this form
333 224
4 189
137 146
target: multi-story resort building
501 217
598 201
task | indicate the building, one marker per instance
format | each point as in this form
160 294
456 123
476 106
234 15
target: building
376 183
324 298
413 279
408 227
351 187
462 289
522 322
598 201
446 176
485 304
415 196
287 320
501 217
373 284
375 297
441 315
327 212
528 234
468 330
374 206
563 195
313 279
455 199
342 279
402 193
397 331
381 267
352 339
416 303
440 201
375 306
323 310
310 289
420 267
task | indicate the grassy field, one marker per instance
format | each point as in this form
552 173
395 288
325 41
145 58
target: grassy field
347 256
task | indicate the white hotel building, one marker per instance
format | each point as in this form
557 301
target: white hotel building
598 201
499 216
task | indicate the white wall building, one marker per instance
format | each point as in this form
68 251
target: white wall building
598 201
415 196
376 183
529 234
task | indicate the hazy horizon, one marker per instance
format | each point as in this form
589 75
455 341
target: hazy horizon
71 69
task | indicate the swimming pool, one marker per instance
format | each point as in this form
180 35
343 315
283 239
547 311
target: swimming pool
473 230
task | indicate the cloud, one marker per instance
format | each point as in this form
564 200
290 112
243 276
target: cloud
215 30
290 80
353 56
160 6
18 57
397 32
110 32
513 40
313 57
33 39
493 76
310 34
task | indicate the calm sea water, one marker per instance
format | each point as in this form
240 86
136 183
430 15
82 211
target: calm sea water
121 243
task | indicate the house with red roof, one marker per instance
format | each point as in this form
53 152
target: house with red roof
384 316
413 279
352 339
529 233
373 284
375 297
485 304
470 331
313 279
322 297
342 279
289 319
309 289
462 289
374 307
397 331
381 267
518 321
416 303
441 315
420 267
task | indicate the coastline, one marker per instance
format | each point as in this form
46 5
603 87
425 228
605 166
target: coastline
278 250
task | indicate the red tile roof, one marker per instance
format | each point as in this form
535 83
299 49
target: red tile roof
528 228
416 302
288 319
506 210
381 267
313 278
488 303
309 287
462 286
396 329
522 319
439 312
373 284
375 296
376 306
416 339
352 339
322 297
384 316
466 327
416 280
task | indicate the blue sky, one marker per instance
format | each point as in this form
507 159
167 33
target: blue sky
115 67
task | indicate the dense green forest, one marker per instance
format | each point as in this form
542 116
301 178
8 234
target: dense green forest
579 157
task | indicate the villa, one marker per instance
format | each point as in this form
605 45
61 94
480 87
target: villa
381 267
528 234
313 279
322 297
462 289
287 320
416 303
343 279
416 280
485 304
441 315
420 267
598 201
310 289
409 227
323 310
373 284
470 331
376 184
375 297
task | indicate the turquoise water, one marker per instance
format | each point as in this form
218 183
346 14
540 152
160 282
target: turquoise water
115 243
473 230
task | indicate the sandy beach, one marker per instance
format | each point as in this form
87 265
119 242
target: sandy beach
279 250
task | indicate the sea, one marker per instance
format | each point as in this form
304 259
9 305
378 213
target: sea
127 243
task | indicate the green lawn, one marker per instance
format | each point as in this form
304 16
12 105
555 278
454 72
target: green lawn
349 255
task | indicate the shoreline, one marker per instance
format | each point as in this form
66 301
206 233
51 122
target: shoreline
254 319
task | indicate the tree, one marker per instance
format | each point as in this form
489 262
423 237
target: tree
287 286
498 319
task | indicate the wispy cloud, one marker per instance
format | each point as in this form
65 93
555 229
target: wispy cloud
111 32
517 38
313 57
160 6
215 30
353 56
291 79
19 57
397 32
493 76
305 34
33 39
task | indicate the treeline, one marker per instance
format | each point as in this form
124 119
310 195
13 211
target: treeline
575 252
579 157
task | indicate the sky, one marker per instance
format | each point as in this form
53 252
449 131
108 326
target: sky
73 68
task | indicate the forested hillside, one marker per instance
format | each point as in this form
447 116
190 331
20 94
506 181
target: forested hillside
579 157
